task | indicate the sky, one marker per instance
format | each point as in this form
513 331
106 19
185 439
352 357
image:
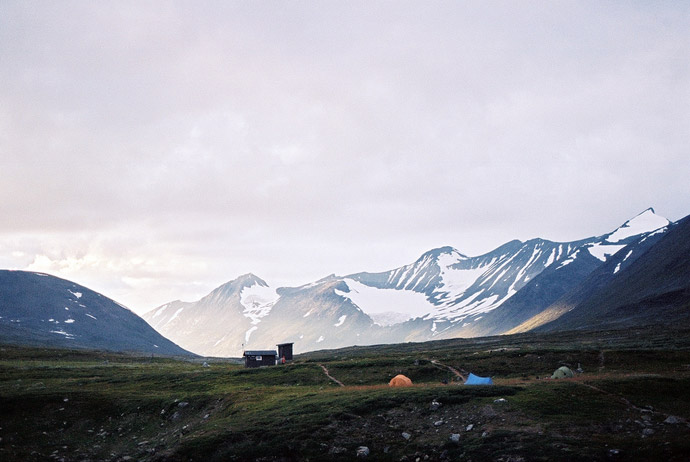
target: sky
152 151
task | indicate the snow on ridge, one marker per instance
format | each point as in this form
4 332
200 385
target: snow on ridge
257 301
645 222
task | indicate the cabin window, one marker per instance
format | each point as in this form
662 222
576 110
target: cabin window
258 358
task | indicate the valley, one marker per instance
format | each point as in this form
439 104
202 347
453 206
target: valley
629 403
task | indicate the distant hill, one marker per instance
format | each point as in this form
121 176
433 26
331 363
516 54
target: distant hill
39 309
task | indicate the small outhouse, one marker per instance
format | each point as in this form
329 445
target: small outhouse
285 351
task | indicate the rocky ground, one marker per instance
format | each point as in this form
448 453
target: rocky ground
630 403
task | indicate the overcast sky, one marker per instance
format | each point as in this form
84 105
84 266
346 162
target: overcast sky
155 150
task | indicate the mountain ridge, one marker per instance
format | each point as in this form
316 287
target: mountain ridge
443 293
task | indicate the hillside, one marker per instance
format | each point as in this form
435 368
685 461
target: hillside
653 290
39 309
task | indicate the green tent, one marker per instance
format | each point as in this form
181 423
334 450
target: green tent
562 373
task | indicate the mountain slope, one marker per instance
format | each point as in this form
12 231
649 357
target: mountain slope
575 275
653 289
39 309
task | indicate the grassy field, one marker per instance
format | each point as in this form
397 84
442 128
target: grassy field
632 402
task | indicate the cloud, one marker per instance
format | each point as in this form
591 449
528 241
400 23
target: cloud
158 149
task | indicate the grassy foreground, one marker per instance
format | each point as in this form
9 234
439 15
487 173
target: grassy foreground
632 402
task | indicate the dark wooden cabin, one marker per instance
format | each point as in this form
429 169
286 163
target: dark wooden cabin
258 358
285 351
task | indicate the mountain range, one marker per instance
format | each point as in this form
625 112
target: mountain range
636 275
519 286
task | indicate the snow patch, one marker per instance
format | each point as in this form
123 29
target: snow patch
341 320
91 316
372 300
62 332
320 339
249 333
454 280
308 313
618 267
257 301
159 311
603 251
76 294
69 321
176 313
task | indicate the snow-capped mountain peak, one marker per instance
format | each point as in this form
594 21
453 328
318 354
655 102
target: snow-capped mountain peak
645 222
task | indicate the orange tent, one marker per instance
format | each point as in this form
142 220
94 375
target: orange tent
400 381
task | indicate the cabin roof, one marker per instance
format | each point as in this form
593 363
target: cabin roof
260 353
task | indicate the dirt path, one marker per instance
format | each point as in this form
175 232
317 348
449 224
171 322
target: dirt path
457 373
325 371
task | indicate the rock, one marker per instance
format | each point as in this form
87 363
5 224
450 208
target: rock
647 432
438 423
488 411
500 400
672 420
455 437
182 404
205 364
337 450
469 427
362 451
406 435
614 452
485 434
434 405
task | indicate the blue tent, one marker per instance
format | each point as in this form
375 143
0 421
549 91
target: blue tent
476 380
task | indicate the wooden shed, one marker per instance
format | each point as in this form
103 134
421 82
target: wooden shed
258 358
285 351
